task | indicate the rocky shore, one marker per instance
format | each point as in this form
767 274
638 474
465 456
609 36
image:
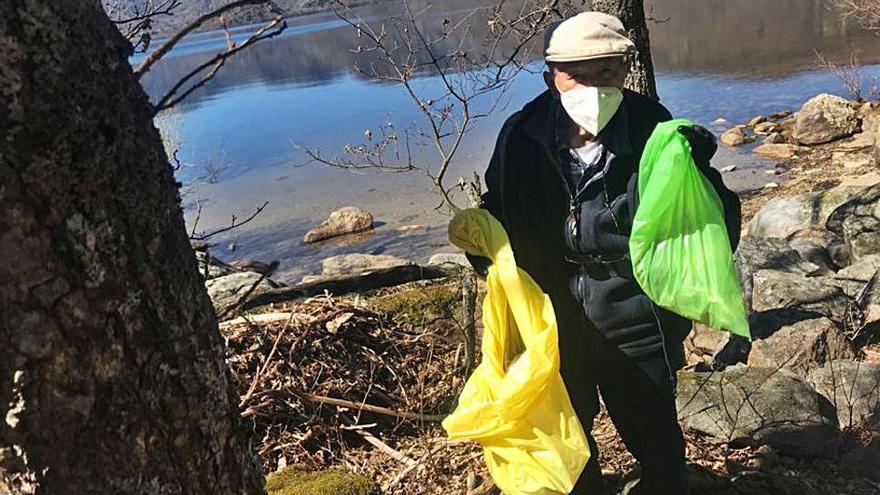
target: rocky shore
797 410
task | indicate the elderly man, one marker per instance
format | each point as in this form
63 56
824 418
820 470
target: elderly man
563 182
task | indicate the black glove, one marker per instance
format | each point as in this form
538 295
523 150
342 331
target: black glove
481 265
703 143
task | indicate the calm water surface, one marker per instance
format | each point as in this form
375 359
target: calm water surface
728 59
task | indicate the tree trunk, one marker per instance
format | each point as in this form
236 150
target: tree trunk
632 13
112 371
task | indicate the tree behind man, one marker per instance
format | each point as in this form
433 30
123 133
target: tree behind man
112 372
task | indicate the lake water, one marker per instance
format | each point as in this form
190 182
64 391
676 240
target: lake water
728 59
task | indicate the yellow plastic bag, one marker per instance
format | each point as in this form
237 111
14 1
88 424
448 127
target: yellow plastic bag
515 403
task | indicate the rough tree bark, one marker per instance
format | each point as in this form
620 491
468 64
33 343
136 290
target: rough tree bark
112 372
632 13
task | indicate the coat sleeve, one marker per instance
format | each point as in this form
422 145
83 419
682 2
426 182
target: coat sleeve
492 199
731 204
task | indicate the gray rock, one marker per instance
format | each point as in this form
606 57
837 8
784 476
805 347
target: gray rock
251 266
766 127
813 252
784 216
733 137
456 259
853 388
228 290
871 125
858 221
781 217
853 160
212 266
758 253
801 347
743 404
351 265
780 115
861 281
773 289
862 270
861 141
701 344
778 151
839 252
774 138
825 118
347 220
760 119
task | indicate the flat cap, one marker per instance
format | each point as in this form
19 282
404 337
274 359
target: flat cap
586 36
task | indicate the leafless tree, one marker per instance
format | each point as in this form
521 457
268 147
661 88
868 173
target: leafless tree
474 81
112 369
866 12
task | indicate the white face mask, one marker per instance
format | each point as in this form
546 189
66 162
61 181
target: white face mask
591 107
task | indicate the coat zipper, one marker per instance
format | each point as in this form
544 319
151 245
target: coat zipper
665 352
572 199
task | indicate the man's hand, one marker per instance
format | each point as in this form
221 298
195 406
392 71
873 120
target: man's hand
703 143
481 265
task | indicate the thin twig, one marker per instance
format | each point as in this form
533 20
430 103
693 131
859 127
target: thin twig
384 447
215 63
259 374
234 224
375 409
164 48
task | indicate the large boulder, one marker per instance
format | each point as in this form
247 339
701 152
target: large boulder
347 220
228 291
853 387
748 405
858 221
352 265
801 347
774 289
825 118
757 253
784 216
861 281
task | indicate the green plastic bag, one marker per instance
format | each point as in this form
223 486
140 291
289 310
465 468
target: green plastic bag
679 244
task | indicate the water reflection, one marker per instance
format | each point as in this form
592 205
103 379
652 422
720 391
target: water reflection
742 38
715 58
751 38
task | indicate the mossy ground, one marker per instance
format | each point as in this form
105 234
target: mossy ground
294 480
419 304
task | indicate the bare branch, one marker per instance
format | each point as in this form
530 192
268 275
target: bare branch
159 52
215 63
866 12
235 223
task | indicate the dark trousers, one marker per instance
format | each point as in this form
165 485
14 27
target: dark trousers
639 396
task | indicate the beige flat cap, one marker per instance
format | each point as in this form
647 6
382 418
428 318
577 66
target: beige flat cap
586 36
